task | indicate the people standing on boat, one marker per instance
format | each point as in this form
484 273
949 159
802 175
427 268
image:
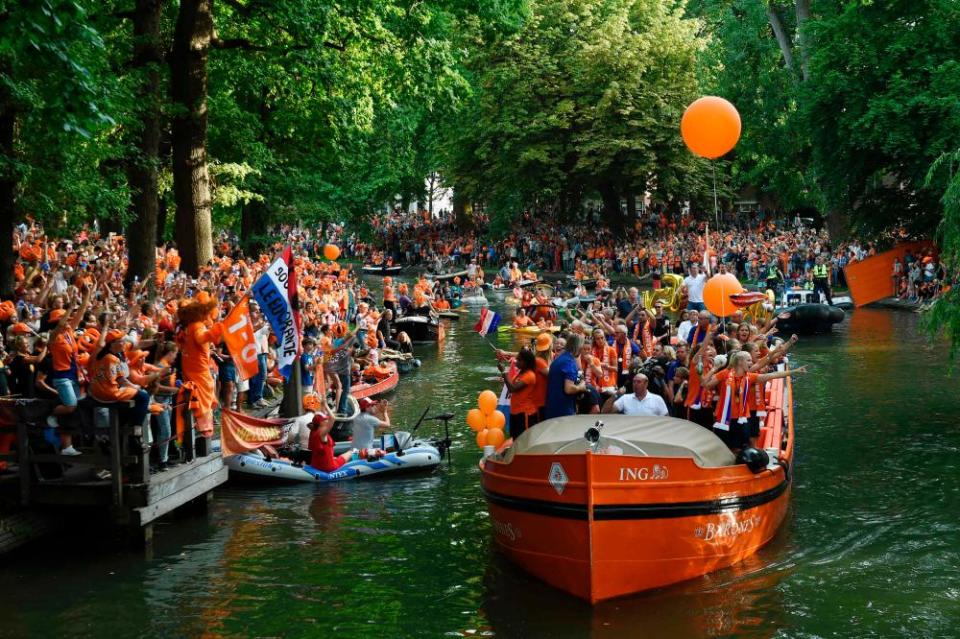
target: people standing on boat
821 279
740 395
565 380
640 402
522 386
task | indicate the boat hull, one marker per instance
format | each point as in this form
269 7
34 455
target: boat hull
383 386
381 269
607 552
419 328
600 526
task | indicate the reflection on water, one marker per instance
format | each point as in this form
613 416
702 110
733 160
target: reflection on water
869 547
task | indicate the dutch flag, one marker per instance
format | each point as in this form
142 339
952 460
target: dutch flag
489 321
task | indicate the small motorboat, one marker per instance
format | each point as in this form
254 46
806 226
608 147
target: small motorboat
474 297
450 315
402 456
420 328
374 388
382 269
603 510
586 283
440 277
804 313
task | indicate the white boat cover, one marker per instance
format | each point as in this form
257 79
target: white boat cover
654 436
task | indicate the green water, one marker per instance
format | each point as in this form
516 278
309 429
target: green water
870 548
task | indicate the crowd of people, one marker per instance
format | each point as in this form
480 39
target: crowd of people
625 358
77 330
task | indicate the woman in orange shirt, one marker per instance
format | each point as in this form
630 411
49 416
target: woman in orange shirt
523 389
109 381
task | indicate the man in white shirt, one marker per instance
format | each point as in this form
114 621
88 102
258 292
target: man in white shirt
694 284
641 402
693 318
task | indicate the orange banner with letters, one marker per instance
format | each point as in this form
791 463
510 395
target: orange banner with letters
238 335
240 433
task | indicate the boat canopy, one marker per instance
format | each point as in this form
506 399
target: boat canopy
650 436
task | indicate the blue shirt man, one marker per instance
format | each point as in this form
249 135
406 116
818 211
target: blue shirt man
561 395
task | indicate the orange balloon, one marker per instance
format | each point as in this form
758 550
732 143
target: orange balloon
717 292
475 419
482 437
495 437
331 252
495 420
487 402
710 127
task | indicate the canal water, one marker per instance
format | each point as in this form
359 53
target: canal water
871 547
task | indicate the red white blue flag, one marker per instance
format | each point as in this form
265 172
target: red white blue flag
489 321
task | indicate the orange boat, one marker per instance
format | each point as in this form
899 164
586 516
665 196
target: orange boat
372 389
609 507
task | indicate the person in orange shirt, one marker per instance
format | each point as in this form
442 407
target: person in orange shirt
522 385
195 337
109 382
521 320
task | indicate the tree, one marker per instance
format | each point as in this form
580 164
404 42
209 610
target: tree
585 98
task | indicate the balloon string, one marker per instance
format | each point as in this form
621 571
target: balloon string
716 212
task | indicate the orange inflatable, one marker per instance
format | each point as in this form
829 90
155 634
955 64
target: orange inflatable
710 127
331 252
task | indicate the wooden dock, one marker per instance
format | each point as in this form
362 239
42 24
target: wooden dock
111 481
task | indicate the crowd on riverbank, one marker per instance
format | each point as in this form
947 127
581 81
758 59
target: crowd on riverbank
77 326
751 245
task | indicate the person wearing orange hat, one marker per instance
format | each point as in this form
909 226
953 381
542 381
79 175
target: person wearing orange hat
109 381
195 339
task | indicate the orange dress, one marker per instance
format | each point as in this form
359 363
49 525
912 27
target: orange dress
195 343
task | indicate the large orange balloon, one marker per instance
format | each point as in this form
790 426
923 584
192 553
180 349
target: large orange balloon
495 437
475 419
331 252
495 420
717 292
482 437
487 402
710 126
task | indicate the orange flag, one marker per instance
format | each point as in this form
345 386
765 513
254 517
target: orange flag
238 335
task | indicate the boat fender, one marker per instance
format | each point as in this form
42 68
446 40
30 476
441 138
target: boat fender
755 458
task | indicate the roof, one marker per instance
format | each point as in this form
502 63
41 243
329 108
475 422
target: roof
650 436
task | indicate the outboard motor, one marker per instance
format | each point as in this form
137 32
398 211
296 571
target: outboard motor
755 458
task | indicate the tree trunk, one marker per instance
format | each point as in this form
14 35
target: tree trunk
253 217
461 219
191 180
631 207
803 42
783 39
142 170
611 207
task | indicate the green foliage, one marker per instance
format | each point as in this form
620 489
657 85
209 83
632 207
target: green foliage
55 80
944 316
584 96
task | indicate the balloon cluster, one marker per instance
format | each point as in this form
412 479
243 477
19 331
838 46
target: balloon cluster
486 421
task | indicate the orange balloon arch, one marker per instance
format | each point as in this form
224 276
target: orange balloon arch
710 127
717 292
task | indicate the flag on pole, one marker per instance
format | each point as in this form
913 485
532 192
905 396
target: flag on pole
238 335
276 292
489 321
